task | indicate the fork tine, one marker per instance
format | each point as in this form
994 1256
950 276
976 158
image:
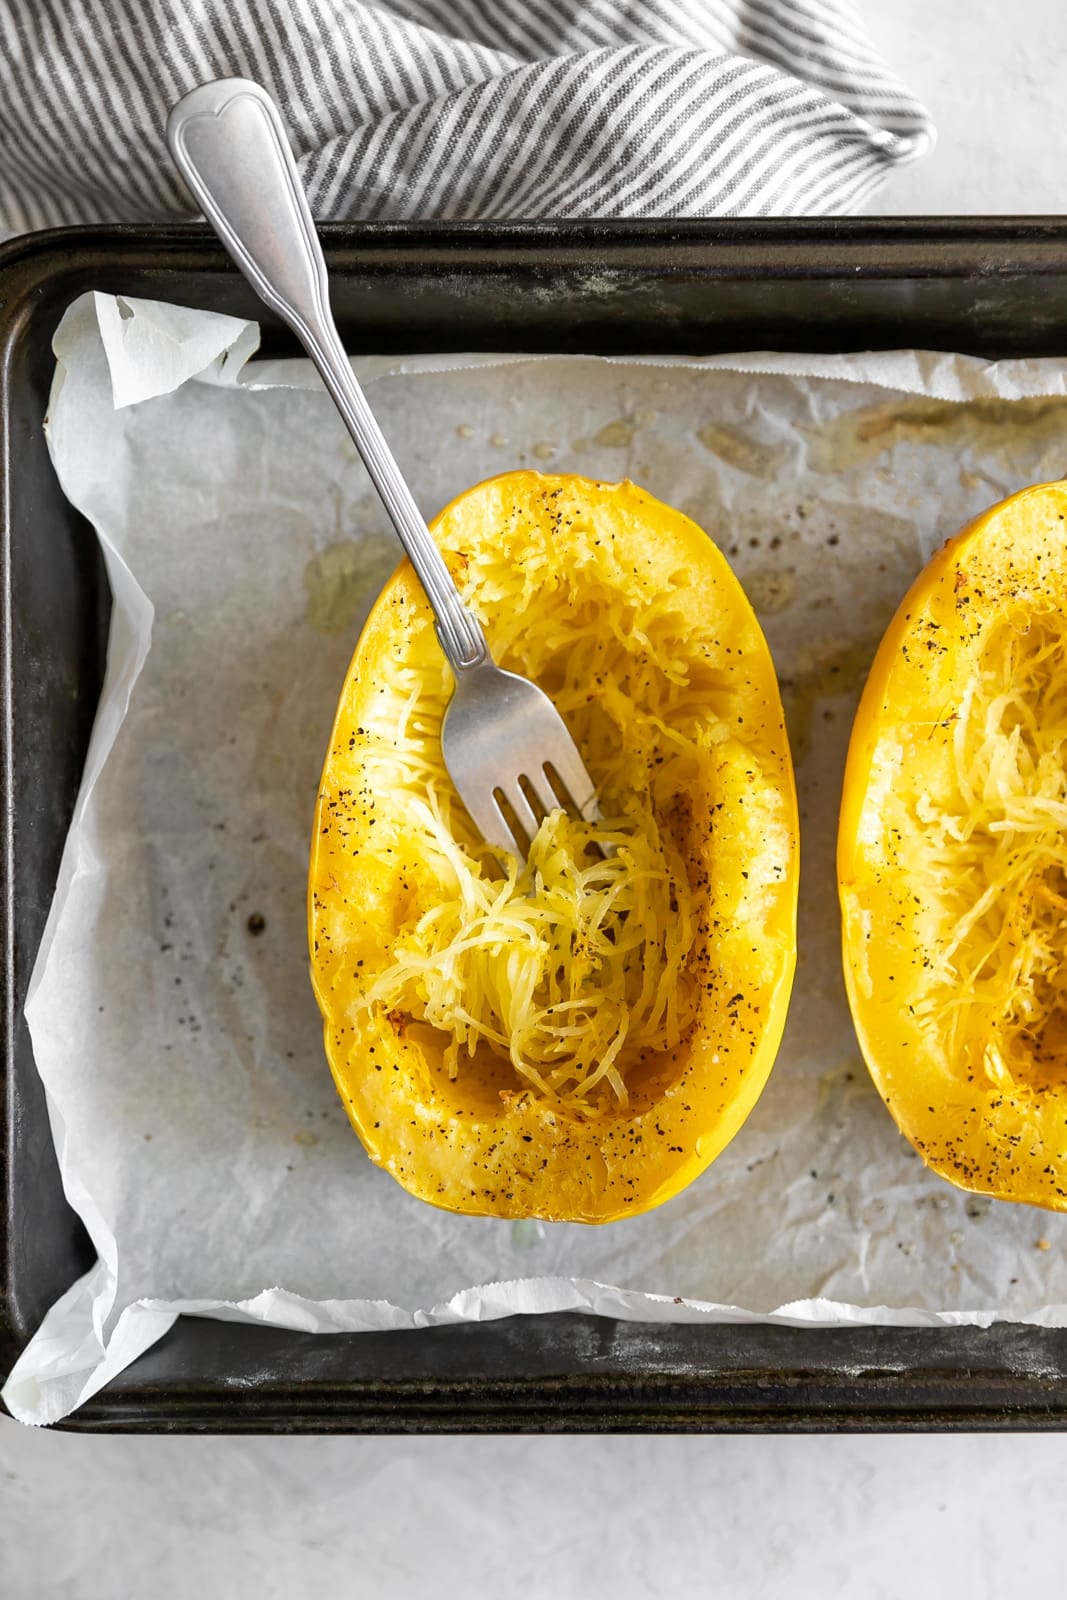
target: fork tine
541 785
525 815
491 823
577 785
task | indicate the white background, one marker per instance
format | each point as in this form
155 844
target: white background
879 1517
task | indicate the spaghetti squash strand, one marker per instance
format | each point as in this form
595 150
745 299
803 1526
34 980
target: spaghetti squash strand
995 859
556 981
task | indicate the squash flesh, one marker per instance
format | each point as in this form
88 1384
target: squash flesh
558 967
953 857
582 1050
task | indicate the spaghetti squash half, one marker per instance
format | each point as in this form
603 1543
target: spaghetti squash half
952 858
575 1038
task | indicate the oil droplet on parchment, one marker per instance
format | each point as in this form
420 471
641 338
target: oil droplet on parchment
341 579
465 431
821 671
841 1086
616 435
737 450
544 450
697 511
1000 431
526 1233
771 592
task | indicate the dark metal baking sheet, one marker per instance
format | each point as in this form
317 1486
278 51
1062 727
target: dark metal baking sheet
992 287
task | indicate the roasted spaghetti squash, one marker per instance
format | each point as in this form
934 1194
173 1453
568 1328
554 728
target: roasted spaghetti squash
952 858
575 1037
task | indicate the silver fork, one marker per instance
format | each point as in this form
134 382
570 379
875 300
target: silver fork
505 745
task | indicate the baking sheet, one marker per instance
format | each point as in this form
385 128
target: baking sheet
198 1131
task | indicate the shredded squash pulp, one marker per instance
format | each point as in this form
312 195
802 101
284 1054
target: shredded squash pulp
577 1036
559 967
575 966
995 858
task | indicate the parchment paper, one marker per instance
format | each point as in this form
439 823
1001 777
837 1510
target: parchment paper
198 1131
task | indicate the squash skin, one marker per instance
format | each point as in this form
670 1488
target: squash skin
983 1137
519 1157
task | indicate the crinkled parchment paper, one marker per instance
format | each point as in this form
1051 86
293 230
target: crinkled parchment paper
197 1126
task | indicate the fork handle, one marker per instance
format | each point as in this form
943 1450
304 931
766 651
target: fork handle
229 143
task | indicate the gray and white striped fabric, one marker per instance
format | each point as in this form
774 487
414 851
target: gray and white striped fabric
461 108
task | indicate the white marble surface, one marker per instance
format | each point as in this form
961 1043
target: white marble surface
880 1517
890 1518
990 71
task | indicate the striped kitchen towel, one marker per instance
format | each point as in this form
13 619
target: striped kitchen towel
461 108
